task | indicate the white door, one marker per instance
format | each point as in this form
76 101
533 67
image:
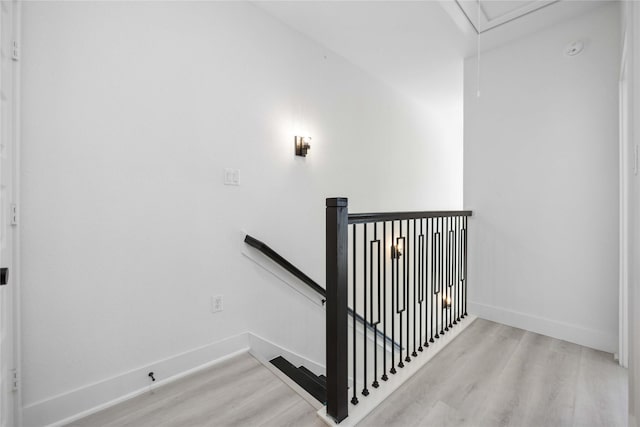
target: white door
8 292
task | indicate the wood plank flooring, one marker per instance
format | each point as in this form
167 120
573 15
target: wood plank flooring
236 392
492 375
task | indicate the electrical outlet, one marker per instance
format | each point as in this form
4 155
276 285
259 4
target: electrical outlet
216 304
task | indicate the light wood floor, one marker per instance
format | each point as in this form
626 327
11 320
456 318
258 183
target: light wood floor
494 375
491 375
237 392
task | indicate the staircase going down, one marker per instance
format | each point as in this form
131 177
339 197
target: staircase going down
315 385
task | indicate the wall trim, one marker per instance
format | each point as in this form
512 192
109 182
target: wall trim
576 334
83 401
623 137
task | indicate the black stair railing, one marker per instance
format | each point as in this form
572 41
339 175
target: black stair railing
281 261
407 278
296 272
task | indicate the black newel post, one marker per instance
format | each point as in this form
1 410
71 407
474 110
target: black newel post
337 346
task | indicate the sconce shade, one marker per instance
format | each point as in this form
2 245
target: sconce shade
396 253
302 145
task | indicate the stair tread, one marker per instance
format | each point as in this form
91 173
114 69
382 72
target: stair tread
313 376
312 384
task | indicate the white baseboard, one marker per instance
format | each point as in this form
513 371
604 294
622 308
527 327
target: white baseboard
67 407
376 395
592 338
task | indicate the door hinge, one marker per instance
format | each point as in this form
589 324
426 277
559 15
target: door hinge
14 379
14 214
15 51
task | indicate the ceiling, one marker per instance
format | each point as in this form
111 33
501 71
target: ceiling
415 46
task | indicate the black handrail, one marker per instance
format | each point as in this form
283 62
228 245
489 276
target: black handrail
360 218
282 262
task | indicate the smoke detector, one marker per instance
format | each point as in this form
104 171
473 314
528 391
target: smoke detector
574 48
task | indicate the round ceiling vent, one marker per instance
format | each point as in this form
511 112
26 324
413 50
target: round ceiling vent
574 48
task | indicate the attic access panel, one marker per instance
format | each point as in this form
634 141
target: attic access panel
493 13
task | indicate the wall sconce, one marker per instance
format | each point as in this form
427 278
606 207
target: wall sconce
302 145
395 252
446 302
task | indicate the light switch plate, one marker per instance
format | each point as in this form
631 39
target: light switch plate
216 304
231 176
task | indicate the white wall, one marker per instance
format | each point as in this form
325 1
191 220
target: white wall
630 13
541 175
131 112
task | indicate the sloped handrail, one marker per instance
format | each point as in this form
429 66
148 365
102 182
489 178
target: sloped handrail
295 271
